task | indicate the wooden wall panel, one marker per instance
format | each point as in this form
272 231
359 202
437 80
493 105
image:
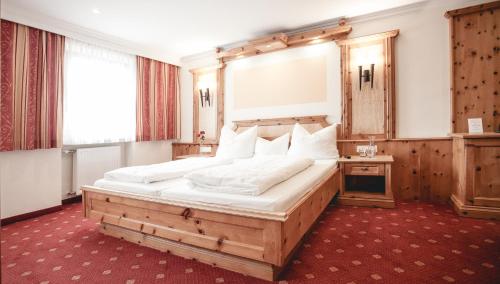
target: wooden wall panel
488 177
421 168
368 111
368 104
475 65
212 116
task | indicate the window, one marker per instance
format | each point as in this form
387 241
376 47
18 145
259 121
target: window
99 95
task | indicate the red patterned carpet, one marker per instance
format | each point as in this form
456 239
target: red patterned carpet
415 243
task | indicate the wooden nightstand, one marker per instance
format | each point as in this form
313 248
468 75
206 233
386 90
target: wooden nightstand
194 155
186 150
366 181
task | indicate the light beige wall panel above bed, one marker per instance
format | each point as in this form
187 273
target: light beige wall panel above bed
303 81
297 81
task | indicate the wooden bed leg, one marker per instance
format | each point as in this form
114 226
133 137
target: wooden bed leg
84 204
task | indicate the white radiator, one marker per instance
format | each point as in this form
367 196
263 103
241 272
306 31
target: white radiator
90 164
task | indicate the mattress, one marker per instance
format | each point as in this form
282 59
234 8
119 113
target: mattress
279 198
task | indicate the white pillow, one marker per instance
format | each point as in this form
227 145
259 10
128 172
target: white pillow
320 145
236 146
278 146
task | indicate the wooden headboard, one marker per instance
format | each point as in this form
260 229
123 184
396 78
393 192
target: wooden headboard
274 127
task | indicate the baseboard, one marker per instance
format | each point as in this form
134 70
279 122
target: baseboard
480 212
29 215
366 202
73 199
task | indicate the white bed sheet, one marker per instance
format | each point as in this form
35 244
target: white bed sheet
250 176
279 198
149 189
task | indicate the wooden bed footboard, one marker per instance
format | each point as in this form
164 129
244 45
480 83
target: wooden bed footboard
254 243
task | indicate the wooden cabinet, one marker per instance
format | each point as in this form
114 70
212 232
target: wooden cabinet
366 181
476 175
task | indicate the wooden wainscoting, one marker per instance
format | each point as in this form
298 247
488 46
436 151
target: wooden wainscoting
422 167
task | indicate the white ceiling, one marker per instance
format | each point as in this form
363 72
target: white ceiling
171 29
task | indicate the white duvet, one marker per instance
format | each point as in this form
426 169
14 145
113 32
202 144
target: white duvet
163 171
249 176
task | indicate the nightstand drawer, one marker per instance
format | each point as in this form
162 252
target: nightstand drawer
364 170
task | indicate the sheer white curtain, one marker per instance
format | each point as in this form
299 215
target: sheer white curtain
99 95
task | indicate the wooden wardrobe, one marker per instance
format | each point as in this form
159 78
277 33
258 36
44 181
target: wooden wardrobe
475 64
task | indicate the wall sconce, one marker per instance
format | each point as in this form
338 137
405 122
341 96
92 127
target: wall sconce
366 75
206 85
205 99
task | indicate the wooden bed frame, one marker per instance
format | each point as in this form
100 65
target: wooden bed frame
251 242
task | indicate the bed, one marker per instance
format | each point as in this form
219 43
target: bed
255 236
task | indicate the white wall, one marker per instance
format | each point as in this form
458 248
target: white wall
39 179
133 154
29 181
422 71
144 153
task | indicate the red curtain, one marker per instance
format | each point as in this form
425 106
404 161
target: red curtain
31 88
158 111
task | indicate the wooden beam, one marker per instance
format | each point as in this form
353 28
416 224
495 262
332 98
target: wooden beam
317 34
220 99
278 36
282 41
320 119
206 69
477 8
270 43
237 52
368 38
